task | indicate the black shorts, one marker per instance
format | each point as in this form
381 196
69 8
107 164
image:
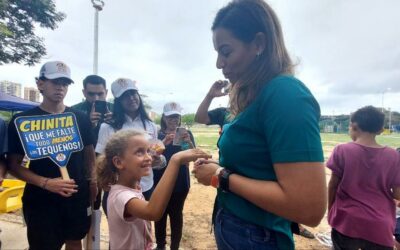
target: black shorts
341 241
51 223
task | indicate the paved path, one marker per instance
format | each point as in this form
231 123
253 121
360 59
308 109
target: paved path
13 235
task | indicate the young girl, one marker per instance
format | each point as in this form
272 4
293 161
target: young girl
365 180
125 161
170 120
128 113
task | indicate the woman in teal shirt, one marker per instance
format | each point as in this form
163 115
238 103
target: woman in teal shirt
270 171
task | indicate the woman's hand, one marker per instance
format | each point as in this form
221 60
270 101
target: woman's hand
65 188
216 89
169 138
204 169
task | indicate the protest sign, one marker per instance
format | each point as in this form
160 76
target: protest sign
55 136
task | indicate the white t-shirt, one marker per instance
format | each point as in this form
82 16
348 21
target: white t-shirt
126 232
106 131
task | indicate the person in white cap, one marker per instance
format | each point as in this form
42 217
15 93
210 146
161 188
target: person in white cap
128 113
55 210
170 121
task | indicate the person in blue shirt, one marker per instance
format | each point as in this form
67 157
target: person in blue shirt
270 171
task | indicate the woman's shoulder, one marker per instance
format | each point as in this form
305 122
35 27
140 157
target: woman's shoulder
286 85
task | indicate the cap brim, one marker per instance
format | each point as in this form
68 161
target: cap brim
173 112
129 88
56 76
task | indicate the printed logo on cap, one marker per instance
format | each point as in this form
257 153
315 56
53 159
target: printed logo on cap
174 106
61 67
122 82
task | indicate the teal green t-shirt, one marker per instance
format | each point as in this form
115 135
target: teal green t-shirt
280 126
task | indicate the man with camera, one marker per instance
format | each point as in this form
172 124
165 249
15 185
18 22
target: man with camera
96 108
95 105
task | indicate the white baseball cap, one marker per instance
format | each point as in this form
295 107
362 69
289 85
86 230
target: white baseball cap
119 86
55 69
172 108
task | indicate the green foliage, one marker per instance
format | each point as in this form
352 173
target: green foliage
18 42
206 137
188 120
157 120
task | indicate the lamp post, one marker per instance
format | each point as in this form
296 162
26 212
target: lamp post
98 6
383 96
390 121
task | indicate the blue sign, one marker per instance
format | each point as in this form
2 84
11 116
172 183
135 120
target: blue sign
55 136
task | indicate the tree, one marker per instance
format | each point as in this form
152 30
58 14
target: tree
188 119
18 42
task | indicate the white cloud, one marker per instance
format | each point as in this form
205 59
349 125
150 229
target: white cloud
348 51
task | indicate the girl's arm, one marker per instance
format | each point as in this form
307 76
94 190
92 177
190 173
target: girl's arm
299 194
155 207
332 189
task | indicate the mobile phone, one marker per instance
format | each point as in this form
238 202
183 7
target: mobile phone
100 106
180 131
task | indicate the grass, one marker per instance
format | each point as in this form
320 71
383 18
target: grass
207 137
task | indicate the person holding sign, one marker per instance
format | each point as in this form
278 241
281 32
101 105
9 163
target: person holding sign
60 178
128 113
126 160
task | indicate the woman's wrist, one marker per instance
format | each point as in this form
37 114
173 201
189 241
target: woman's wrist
215 177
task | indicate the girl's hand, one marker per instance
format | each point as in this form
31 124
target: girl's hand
169 138
65 188
204 172
202 161
189 155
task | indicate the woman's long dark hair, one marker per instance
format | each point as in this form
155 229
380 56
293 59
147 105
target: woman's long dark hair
244 19
119 114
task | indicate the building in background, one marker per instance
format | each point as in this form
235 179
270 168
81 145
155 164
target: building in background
31 94
11 88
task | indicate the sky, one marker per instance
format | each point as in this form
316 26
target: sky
346 52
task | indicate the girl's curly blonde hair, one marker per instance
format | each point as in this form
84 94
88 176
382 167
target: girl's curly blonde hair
107 173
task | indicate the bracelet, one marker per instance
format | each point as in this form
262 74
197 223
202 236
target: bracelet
45 183
215 177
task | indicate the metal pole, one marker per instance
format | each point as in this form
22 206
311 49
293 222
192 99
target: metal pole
390 120
96 41
98 6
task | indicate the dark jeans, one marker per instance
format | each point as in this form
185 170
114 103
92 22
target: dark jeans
174 211
343 242
232 232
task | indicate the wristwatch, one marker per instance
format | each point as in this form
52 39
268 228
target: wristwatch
223 179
